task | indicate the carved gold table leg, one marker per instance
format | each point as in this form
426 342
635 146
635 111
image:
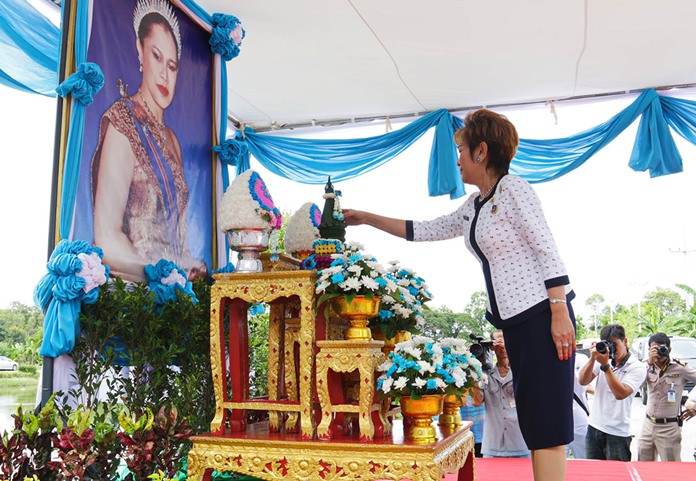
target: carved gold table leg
345 357
323 430
275 338
292 335
366 368
216 356
306 374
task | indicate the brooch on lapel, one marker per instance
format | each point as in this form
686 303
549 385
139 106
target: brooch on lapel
494 209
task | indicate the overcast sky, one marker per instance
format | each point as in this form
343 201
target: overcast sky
619 232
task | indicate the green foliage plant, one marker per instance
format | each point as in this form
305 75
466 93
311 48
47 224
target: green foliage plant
26 450
166 350
152 442
88 445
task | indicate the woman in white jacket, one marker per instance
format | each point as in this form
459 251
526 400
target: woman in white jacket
528 287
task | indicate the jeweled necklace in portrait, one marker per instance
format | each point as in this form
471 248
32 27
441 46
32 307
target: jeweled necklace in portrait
157 126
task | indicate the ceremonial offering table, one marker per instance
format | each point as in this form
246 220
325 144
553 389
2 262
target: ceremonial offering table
230 297
343 357
272 456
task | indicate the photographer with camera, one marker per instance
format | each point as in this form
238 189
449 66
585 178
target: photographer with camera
661 433
502 437
618 378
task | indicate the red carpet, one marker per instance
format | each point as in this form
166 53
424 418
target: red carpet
496 469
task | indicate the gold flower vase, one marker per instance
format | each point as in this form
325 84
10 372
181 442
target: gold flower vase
358 313
418 417
390 343
451 416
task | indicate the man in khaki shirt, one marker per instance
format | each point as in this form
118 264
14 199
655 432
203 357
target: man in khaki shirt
661 434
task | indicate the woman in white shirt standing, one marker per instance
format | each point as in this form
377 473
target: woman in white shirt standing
528 288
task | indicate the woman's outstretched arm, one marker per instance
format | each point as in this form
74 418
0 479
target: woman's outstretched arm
393 226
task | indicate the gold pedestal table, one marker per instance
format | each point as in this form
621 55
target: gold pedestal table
230 297
271 456
343 357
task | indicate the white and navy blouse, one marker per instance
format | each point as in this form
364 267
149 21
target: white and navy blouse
509 235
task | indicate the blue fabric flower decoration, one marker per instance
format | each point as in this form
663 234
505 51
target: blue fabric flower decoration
226 36
63 289
231 150
83 84
166 278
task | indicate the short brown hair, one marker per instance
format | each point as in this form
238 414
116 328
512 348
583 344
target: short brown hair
496 131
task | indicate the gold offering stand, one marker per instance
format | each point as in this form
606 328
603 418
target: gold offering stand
306 361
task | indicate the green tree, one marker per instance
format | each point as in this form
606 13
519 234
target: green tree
595 302
443 322
21 329
667 301
686 323
581 331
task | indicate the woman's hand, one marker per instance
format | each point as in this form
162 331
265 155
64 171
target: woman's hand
353 217
562 331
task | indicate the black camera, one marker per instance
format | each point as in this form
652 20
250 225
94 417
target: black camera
604 346
480 350
662 350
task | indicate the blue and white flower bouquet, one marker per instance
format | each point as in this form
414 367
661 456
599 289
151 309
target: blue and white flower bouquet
422 366
353 273
403 309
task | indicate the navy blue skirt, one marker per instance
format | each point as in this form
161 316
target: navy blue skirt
543 384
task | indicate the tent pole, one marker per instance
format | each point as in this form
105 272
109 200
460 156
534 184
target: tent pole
67 18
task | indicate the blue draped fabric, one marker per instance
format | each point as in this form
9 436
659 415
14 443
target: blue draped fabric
312 161
681 116
60 294
544 160
73 150
29 48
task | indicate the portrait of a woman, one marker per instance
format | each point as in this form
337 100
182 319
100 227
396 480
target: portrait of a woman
139 191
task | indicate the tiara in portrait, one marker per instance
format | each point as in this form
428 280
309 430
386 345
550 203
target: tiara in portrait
160 7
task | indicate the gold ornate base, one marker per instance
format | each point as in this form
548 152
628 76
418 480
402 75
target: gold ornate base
421 412
357 312
450 412
273 456
358 332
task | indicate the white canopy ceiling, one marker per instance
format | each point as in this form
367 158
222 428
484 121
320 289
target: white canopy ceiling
331 60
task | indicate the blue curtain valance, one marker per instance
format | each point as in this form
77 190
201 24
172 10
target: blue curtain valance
311 161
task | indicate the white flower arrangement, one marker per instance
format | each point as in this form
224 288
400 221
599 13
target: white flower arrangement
403 311
421 366
353 273
247 204
303 229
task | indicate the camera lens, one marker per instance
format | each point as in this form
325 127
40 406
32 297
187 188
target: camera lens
601 347
662 350
476 350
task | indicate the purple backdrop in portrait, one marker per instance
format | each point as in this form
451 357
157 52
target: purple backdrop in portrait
112 46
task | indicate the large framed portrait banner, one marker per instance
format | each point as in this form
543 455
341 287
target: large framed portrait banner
147 176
